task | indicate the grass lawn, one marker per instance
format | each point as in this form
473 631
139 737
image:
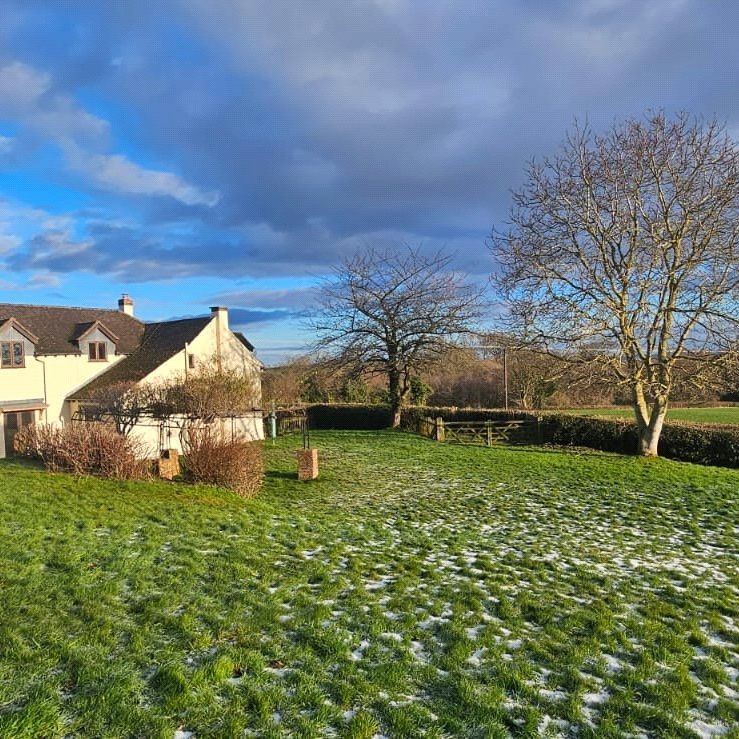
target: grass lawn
721 414
416 589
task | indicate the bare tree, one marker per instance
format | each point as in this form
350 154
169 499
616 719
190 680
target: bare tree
623 252
394 312
124 403
533 377
205 395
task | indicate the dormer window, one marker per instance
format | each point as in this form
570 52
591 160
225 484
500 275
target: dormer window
97 351
12 355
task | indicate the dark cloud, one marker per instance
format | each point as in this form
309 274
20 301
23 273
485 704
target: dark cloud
271 137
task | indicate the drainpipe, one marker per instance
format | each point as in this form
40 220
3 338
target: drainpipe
187 358
43 364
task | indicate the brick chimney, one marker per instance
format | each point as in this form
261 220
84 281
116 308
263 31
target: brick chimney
221 315
125 305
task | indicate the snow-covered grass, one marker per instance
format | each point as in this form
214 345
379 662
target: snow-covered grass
415 589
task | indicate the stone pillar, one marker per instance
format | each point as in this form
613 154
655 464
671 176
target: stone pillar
168 464
307 464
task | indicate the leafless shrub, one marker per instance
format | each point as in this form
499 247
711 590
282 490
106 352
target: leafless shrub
206 394
212 459
84 449
124 403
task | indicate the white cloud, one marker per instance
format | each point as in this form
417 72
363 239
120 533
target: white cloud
274 299
21 86
39 281
43 279
27 96
118 173
8 242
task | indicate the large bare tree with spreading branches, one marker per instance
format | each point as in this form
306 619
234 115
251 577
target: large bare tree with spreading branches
623 251
394 311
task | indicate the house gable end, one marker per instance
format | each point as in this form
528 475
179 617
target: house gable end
11 323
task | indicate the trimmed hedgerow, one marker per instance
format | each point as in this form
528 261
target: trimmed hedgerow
607 435
701 444
411 416
686 442
347 417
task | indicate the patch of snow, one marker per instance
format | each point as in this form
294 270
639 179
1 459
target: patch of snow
553 695
596 699
705 730
357 654
476 657
613 664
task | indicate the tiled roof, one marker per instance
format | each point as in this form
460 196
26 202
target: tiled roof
244 340
160 342
147 345
58 328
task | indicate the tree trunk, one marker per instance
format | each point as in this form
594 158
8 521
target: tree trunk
649 422
395 393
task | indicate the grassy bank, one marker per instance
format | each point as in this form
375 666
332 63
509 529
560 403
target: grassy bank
415 589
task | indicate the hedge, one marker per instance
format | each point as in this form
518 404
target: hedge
687 442
410 416
708 444
348 417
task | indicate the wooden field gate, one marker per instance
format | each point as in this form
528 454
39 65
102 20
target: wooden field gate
482 433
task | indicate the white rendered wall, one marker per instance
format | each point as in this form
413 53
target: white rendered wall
67 373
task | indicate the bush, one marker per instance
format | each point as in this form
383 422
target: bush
85 449
686 442
607 435
228 463
349 417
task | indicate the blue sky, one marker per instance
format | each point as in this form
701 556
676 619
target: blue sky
193 152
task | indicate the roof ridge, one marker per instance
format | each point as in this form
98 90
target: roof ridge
178 320
75 307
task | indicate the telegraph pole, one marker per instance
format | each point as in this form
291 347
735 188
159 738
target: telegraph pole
505 375
505 367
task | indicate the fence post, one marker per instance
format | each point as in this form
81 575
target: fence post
439 430
489 429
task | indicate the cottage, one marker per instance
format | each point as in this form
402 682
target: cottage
53 358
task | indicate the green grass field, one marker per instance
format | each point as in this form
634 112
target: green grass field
721 414
415 589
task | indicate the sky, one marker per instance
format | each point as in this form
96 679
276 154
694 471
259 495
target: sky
201 152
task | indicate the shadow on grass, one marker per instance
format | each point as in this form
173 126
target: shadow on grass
276 475
21 462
